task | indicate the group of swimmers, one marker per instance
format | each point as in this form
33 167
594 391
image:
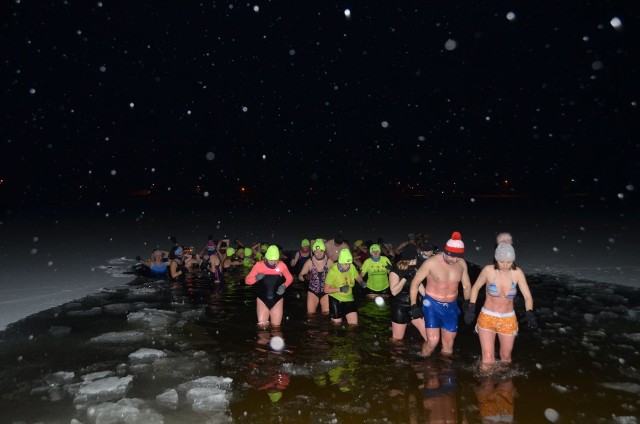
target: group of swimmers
422 283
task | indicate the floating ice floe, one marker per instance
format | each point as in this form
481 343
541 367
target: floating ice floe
168 399
119 337
207 399
59 330
97 375
153 317
145 354
104 389
129 411
623 387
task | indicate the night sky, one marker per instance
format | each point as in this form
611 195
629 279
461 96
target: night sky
298 100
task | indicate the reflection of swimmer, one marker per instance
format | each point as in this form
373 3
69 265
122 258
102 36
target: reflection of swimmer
495 401
439 395
271 278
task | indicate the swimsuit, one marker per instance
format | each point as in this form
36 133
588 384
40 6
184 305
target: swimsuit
158 270
502 323
301 261
492 289
440 314
273 278
401 302
317 279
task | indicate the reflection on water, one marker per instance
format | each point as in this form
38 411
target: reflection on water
191 353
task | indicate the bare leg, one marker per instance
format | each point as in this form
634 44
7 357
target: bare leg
419 324
488 346
398 330
324 304
263 314
506 347
447 342
276 313
352 318
433 338
312 303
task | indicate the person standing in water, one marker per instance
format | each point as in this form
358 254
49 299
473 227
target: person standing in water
503 279
400 278
315 272
377 267
339 285
271 277
301 257
443 273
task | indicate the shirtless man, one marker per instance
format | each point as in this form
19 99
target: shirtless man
335 246
443 273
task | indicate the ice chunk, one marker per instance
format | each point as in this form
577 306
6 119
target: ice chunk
168 399
106 389
109 412
623 387
60 377
97 375
146 354
119 337
207 382
632 336
207 399
153 317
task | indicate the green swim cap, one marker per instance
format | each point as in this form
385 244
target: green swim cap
375 247
358 243
319 244
305 243
275 396
345 257
230 251
263 247
273 254
247 251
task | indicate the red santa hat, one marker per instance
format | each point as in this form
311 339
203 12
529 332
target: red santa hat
455 246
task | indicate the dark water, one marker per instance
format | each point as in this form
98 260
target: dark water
583 362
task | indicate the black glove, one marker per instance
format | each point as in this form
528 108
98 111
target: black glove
259 276
530 320
138 258
344 289
389 267
183 268
363 284
281 289
416 311
469 313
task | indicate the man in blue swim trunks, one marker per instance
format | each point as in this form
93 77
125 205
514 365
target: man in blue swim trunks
443 273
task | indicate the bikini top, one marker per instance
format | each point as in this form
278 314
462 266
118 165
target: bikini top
492 289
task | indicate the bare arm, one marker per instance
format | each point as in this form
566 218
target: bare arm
305 270
421 274
480 281
524 289
466 281
396 283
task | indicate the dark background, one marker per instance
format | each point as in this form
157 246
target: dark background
337 108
